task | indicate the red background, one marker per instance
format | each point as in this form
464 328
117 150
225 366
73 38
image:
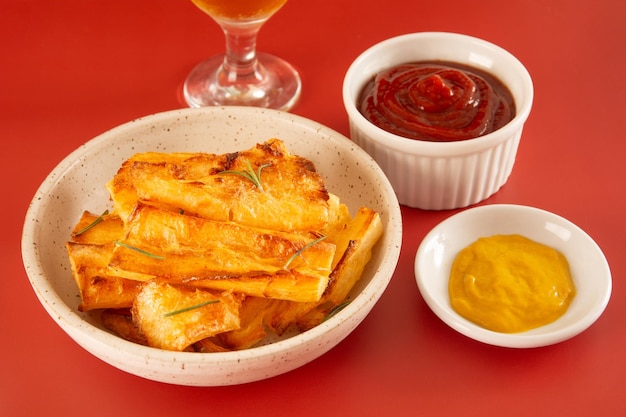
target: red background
70 70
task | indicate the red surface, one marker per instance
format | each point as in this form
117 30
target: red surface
73 69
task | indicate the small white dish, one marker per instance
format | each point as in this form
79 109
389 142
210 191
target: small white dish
588 265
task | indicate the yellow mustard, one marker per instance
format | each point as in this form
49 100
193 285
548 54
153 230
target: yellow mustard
509 283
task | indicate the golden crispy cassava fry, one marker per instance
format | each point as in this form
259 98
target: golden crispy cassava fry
89 252
252 330
109 228
222 255
208 345
175 317
171 166
354 244
338 219
361 236
121 323
97 288
290 194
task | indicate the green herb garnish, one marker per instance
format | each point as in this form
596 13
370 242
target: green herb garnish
92 224
193 307
336 310
250 174
302 249
136 249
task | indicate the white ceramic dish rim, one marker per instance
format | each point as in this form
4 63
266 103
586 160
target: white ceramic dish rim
438 301
360 66
103 342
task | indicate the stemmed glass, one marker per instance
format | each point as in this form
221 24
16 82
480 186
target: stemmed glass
242 76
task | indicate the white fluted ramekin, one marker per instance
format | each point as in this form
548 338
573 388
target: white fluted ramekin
440 175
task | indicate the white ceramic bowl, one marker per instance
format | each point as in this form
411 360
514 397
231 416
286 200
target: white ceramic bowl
589 268
440 175
77 183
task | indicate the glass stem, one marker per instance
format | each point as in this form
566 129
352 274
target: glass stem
240 62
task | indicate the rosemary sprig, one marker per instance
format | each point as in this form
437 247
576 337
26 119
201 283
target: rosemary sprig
249 174
336 310
193 307
92 224
136 249
302 249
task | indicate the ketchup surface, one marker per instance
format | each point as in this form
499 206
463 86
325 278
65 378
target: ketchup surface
437 101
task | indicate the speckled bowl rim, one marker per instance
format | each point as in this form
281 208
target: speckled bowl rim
330 330
461 229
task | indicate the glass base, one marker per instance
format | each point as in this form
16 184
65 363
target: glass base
277 85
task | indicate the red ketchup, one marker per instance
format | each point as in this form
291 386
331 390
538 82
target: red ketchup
437 101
